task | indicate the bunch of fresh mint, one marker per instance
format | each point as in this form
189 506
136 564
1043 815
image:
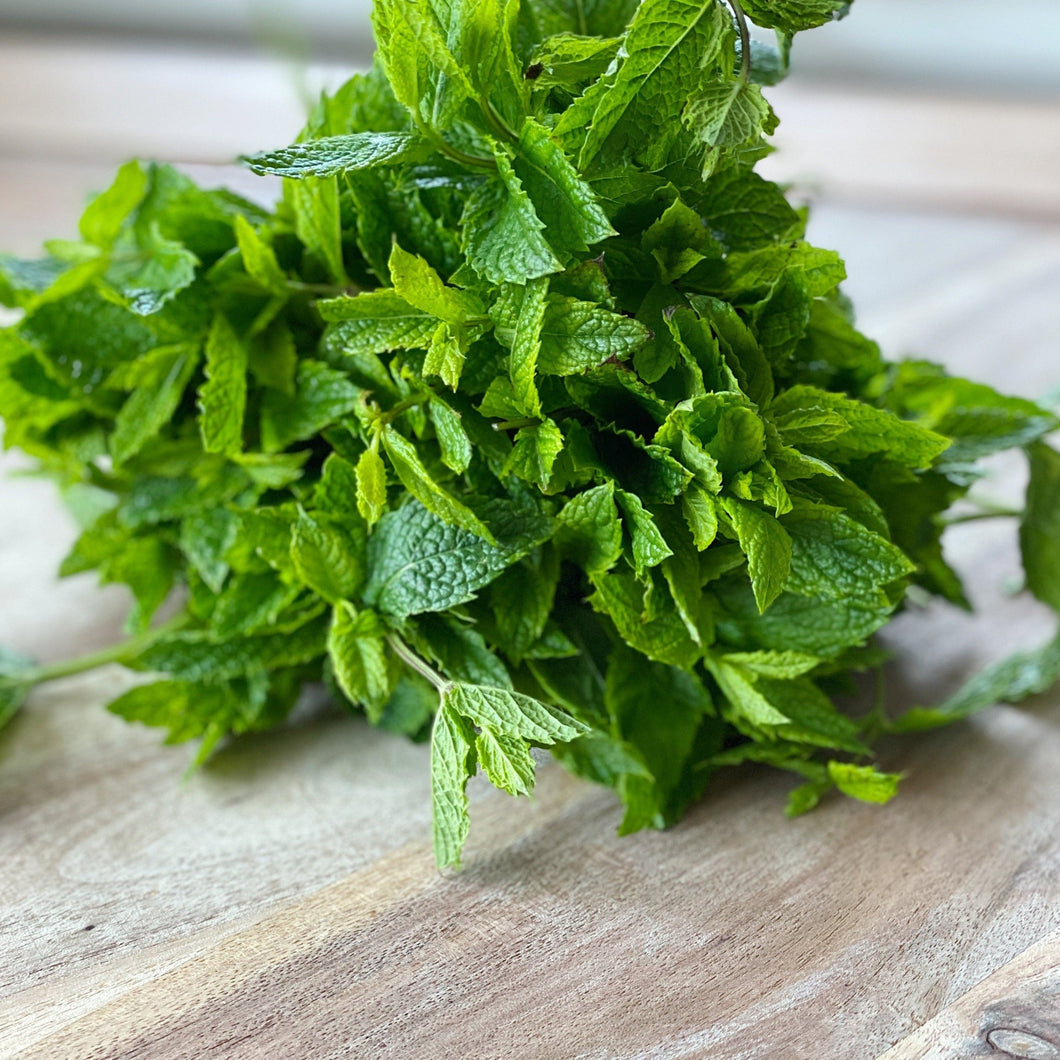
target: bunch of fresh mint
526 418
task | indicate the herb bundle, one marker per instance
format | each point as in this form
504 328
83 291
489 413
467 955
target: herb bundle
526 418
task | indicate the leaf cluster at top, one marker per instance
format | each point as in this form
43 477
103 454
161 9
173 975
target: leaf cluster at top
528 417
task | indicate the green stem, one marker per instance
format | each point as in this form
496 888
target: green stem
415 663
117 653
401 407
515 425
745 40
974 517
327 290
497 123
455 153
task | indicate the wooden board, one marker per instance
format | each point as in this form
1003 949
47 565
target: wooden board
283 901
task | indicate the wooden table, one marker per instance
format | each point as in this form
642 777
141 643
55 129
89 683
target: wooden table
283 902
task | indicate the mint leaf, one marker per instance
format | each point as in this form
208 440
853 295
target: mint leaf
336 154
792 16
864 783
729 113
1011 680
420 483
505 241
376 322
767 546
1040 526
506 761
519 315
259 259
154 400
358 655
327 556
589 531
371 485
576 336
452 765
512 713
223 397
417 563
322 395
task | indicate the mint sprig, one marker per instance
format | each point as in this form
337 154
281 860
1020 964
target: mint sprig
526 418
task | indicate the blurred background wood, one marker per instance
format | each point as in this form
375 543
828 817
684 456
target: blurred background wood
283 901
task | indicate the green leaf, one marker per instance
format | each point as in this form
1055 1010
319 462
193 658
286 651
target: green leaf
376 322
259 259
445 356
661 636
637 110
565 203
420 483
452 438
418 563
745 211
336 154
273 358
1040 525
336 491
522 599
371 484
358 655
196 657
649 545
506 761
327 557
864 783
535 452
656 709
147 269
106 214
250 603
792 16
577 336
729 113
1011 680
504 237
833 555
872 430
978 419
459 650
322 396
519 316
767 546
779 664
452 765
798 623
589 531
315 201
205 538
152 404
512 713
223 397
422 287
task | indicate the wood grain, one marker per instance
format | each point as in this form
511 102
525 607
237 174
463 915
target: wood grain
283 901
1015 1011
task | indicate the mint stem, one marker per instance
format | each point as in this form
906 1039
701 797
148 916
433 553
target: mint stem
414 662
122 653
745 40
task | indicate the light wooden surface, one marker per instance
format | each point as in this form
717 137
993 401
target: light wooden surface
283 902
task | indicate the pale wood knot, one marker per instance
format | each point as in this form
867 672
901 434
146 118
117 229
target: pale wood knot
1022 1045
